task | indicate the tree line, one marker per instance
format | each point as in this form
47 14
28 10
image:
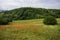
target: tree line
30 13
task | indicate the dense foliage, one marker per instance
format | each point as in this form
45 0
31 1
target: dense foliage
4 20
50 20
31 13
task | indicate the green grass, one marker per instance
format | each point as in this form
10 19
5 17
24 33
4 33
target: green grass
27 21
32 30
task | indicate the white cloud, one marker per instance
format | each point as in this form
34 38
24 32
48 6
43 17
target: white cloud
11 4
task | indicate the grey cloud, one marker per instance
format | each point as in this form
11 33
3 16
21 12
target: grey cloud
11 4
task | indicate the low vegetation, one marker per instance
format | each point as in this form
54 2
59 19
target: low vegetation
30 30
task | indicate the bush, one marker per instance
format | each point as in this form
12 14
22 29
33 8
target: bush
50 20
4 21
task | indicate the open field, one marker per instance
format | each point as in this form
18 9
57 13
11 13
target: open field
30 30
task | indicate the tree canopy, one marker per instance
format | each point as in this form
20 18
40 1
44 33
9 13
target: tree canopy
30 13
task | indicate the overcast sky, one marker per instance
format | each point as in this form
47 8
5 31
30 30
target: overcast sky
11 4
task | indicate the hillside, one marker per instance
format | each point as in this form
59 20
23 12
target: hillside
18 28
30 13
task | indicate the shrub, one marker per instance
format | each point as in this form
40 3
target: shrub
50 20
4 21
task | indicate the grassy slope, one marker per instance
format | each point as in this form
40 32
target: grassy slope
30 30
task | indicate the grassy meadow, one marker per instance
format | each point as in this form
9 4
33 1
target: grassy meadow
30 30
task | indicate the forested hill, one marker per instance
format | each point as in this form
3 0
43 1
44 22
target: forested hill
30 13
